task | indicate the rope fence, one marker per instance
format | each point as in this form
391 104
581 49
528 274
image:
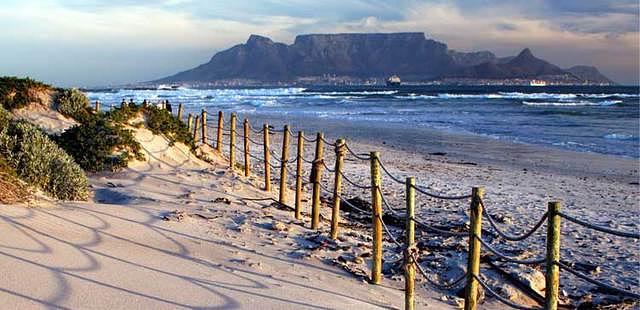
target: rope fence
292 172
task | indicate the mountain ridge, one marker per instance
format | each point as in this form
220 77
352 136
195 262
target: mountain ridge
361 56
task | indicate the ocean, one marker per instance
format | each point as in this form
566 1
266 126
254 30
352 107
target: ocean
596 119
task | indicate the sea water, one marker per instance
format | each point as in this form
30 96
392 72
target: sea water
582 118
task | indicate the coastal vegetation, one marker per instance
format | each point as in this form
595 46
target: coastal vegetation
72 103
98 142
16 93
39 161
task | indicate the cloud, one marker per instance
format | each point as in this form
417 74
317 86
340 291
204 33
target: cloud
605 40
187 32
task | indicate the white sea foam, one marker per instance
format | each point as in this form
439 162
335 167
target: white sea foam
619 136
572 103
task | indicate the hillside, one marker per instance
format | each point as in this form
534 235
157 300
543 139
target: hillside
362 56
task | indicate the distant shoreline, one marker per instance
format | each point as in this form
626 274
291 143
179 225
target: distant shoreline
468 148
289 84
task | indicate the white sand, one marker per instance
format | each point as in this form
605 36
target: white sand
42 115
116 252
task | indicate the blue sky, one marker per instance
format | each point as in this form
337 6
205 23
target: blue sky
101 42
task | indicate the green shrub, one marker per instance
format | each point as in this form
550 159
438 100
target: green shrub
5 117
123 113
41 163
16 93
160 121
72 103
98 144
12 189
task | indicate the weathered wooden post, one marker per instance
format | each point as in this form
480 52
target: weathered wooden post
473 259
247 159
190 122
232 142
376 205
284 159
220 128
203 121
316 175
298 206
337 188
267 158
552 282
180 111
411 250
195 128
97 106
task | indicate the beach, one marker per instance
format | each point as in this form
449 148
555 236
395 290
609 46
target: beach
162 234
519 181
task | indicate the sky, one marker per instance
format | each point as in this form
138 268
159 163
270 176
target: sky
88 43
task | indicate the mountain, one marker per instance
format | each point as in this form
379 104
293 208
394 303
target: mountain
590 74
359 55
471 59
409 55
525 65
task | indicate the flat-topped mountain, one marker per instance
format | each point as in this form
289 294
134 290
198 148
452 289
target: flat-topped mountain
409 55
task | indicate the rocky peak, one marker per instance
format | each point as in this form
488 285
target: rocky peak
258 40
525 53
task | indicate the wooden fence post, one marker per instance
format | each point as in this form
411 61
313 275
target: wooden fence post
282 197
411 250
552 284
267 158
473 259
232 142
180 111
247 159
376 205
298 207
316 175
337 188
190 122
203 123
195 128
220 128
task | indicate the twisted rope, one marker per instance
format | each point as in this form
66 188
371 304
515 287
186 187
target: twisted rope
500 298
256 157
307 161
508 258
274 166
261 130
354 183
389 173
440 231
438 196
362 156
384 201
254 142
509 236
327 141
434 283
328 191
327 167
597 282
600 228
386 228
309 139
273 129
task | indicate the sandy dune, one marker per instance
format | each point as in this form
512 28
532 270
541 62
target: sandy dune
117 252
